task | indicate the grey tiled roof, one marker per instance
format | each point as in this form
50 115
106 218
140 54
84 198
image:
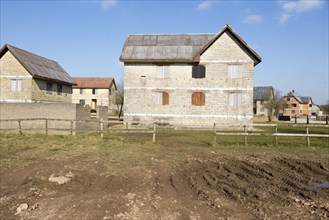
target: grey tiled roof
150 47
37 66
299 98
175 47
262 93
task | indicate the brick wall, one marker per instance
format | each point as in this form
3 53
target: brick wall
141 86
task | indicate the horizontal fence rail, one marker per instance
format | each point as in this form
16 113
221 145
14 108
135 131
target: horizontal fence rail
246 133
45 127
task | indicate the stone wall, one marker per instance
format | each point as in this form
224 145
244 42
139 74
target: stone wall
58 115
142 85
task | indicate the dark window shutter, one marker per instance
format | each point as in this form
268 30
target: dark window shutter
165 98
198 72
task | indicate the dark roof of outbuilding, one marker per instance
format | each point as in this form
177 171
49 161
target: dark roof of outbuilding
178 48
97 83
299 98
262 93
37 66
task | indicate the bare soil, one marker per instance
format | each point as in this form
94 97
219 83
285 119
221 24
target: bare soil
211 185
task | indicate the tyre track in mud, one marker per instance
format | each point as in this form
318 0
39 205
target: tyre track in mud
278 186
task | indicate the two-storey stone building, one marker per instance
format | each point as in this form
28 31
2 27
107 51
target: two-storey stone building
95 92
189 80
26 77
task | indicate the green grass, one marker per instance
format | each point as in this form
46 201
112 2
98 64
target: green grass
120 154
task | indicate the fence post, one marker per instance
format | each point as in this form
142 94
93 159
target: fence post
308 137
102 128
20 127
71 127
154 131
295 119
46 126
326 119
307 119
215 138
276 136
126 131
245 135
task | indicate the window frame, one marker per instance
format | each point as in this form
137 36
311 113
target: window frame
59 89
94 91
49 88
161 99
234 99
162 71
16 85
231 71
82 91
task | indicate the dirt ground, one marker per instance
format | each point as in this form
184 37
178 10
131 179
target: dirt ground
206 185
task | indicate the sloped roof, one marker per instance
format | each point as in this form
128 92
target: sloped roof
262 93
90 83
37 66
175 47
299 98
163 47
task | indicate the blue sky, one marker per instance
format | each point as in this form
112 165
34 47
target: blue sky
86 37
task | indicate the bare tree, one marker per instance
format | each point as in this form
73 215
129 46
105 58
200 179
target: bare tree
120 96
274 104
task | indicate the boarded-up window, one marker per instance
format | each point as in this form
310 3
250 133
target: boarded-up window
234 99
163 72
16 85
234 71
162 98
198 99
199 72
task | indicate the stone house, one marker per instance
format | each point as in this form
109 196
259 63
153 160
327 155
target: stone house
95 92
189 80
296 105
262 94
26 77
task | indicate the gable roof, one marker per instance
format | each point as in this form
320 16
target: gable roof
90 83
178 48
262 93
299 98
37 66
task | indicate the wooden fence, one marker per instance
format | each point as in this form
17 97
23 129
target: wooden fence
72 130
275 134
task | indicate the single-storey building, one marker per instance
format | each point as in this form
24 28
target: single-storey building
262 95
190 80
95 92
27 77
296 105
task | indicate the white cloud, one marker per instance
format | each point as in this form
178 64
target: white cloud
204 5
292 8
250 19
284 17
302 5
108 3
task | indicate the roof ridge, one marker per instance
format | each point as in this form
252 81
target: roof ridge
30 53
173 34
